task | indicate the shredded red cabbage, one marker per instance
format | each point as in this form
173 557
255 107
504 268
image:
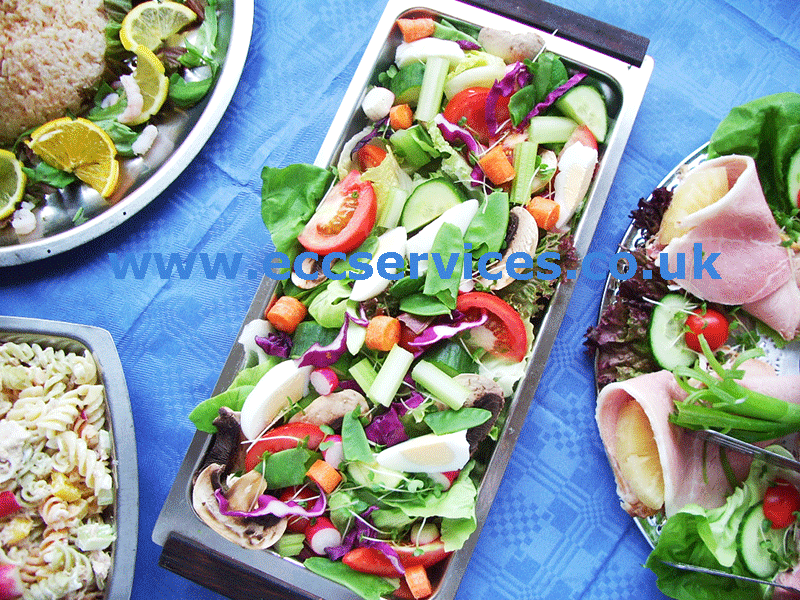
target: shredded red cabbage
269 505
275 344
379 129
454 133
324 356
351 384
553 96
468 45
516 78
445 330
413 401
386 429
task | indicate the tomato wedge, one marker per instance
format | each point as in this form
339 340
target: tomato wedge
504 333
374 562
283 438
343 219
781 502
470 104
709 322
370 155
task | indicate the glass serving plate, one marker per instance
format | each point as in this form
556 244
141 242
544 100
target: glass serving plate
141 179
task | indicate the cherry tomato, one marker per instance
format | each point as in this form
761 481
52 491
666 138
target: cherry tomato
374 562
471 104
781 501
370 155
504 333
283 437
343 219
304 497
711 323
581 135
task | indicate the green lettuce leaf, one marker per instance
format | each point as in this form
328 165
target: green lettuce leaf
455 532
448 247
369 587
328 307
487 230
768 129
289 196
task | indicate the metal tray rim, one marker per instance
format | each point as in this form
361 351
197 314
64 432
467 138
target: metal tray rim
126 507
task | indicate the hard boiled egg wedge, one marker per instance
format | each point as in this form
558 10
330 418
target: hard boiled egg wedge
282 385
393 241
575 170
427 454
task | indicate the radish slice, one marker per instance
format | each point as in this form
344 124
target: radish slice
8 503
322 534
424 534
334 450
10 582
444 479
324 380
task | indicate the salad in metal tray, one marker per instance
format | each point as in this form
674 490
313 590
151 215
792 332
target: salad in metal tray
704 335
412 276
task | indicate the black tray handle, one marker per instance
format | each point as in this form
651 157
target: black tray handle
221 574
572 26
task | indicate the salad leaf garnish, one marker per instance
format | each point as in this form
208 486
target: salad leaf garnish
450 421
487 229
369 587
444 269
354 440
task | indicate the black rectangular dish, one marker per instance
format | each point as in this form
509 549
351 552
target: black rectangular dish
622 72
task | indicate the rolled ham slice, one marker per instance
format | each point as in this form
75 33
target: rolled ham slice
687 479
755 270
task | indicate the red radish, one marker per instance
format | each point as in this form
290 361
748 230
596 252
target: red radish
322 534
333 452
10 582
424 534
444 479
324 380
8 503
305 497
581 135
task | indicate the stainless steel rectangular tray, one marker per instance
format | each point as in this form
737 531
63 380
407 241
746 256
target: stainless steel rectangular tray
617 60
72 337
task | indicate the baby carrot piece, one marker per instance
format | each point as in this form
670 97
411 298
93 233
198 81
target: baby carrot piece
324 475
418 582
416 29
496 166
545 212
401 116
382 333
286 314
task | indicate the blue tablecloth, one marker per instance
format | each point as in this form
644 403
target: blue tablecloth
556 529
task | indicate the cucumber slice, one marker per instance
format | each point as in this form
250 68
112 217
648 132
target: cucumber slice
755 539
666 333
585 105
793 179
428 201
407 82
550 130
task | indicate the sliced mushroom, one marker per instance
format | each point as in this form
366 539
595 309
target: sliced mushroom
511 47
227 446
244 492
524 236
248 533
494 404
309 266
330 409
478 386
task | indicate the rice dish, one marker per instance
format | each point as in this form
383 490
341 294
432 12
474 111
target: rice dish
51 53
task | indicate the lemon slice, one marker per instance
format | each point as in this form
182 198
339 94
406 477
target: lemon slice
12 183
80 147
153 84
150 23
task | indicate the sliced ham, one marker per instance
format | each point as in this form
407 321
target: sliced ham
687 478
754 269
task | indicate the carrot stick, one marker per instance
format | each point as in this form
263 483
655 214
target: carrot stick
416 29
418 582
496 166
324 475
382 333
401 116
286 314
545 212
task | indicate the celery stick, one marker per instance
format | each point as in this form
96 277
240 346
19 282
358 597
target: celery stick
441 385
363 373
430 94
385 386
525 169
290 544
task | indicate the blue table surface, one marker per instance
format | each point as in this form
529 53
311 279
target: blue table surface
556 529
